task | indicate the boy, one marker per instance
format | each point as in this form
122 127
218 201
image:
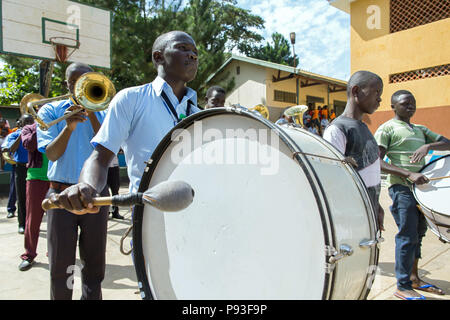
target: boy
352 137
215 97
406 145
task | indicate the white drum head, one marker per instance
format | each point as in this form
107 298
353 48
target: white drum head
247 235
434 195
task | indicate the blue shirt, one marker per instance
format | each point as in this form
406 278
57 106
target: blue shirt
137 120
21 155
68 167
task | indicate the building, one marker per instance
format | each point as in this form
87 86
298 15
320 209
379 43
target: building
406 42
278 86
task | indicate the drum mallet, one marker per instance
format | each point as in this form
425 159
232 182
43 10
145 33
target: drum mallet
168 196
438 178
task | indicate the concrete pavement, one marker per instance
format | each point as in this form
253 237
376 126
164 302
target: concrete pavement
120 281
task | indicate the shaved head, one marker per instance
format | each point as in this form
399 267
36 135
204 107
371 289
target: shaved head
163 40
397 95
361 79
77 66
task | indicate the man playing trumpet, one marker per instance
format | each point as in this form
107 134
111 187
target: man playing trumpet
67 146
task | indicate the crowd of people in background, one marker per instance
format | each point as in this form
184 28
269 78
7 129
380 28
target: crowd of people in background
315 119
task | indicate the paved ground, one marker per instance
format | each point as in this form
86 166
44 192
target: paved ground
120 282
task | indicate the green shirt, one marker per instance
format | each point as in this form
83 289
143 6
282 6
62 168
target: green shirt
39 173
400 141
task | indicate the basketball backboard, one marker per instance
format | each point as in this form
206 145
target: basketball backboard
28 25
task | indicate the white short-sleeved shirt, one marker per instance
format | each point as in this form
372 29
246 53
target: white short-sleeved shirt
371 175
137 120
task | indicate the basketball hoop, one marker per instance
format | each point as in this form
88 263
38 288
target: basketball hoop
61 47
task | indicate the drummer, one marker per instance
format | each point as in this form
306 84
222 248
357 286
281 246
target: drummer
406 144
352 137
137 120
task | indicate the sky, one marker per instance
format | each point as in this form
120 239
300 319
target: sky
322 32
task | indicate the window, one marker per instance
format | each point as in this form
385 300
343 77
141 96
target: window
314 100
283 96
432 72
407 14
339 107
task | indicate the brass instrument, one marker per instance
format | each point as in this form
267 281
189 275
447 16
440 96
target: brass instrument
297 112
262 109
8 157
93 91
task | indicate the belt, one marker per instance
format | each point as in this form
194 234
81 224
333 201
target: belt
58 186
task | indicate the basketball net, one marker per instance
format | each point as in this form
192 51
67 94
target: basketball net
61 48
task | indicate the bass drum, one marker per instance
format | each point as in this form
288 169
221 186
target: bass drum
432 197
268 220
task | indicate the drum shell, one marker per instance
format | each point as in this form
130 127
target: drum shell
350 212
347 217
431 197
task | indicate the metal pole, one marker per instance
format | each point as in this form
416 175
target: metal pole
45 77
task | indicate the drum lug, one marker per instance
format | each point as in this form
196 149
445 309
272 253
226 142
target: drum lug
370 243
334 255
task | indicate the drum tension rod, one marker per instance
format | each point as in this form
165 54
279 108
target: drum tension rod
319 156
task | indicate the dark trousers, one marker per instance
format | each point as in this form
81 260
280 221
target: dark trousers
113 182
21 192
411 229
62 237
12 191
36 191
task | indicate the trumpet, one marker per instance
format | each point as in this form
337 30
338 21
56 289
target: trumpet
297 112
8 157
262 109
93 91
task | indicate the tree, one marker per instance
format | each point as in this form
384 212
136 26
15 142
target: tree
279 51
217 26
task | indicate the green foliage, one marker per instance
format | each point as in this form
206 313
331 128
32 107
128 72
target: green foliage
18 81
216 26
279 51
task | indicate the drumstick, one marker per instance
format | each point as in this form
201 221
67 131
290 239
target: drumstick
168 196
438 178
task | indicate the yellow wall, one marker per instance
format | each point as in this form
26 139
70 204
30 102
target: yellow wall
383 53
291 86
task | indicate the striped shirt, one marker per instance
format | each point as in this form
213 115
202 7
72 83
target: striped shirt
400 141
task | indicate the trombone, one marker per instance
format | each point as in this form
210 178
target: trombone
93 91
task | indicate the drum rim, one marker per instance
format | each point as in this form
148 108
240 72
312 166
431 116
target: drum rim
138 254
414 188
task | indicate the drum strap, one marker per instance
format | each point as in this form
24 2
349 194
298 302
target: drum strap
172 109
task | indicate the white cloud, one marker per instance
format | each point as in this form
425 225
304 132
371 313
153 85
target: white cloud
322 32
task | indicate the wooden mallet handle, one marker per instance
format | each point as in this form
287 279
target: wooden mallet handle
125 200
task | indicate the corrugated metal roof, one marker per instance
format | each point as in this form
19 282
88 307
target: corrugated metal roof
281 67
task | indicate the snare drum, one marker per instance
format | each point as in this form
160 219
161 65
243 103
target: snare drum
277 214
432 197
